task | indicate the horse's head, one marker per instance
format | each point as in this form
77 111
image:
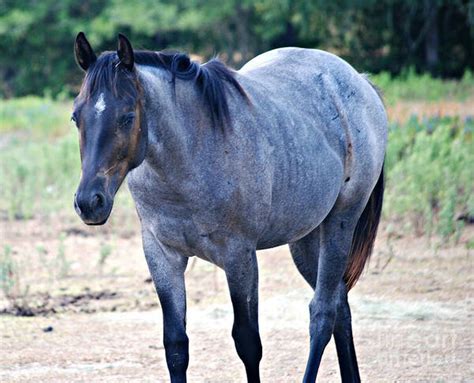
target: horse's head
108 113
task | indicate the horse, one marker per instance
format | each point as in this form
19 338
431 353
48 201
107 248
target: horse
221 163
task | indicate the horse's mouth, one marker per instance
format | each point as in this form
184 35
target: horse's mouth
92 219
97 223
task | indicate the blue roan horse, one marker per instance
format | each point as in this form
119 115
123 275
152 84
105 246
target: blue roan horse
289 149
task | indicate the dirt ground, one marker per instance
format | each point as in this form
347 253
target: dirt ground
98 320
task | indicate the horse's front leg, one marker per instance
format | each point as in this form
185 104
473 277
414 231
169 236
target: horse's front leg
167 270
242 276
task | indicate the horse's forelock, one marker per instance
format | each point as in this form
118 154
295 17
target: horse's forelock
106 74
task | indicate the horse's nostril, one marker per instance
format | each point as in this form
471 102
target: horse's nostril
98 201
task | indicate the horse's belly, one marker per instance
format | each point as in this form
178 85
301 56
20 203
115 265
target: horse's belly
275 239
299 205
282 230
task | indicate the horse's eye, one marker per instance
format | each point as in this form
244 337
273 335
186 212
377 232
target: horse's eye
127 119
74 118
122 155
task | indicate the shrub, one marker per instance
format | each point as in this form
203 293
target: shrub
429 177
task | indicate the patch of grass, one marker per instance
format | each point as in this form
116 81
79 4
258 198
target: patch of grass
35 116
38 177
105 253
429 175
16 294
7 271
411 86
470 244
62 262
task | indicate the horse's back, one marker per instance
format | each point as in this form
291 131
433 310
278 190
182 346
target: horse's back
315 83
295 64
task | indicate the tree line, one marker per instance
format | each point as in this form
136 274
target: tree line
36 37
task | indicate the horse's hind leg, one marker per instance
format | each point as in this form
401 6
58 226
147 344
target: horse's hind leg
305 253
335 242
343 338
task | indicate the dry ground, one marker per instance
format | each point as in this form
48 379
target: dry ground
412 312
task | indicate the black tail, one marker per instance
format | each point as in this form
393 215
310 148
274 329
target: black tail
364 234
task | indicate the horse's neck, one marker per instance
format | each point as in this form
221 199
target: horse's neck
173 113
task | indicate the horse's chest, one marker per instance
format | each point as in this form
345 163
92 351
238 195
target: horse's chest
189 226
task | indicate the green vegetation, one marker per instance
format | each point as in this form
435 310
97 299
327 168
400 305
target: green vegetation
13 290
39 159
36 37
7 271
35 116
410 86
38 177
63 265
105 253
429 180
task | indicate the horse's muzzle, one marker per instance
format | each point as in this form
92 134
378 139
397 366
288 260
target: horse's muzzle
93 206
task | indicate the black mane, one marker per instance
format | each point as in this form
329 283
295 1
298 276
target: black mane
211 77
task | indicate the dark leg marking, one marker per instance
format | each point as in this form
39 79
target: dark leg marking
242 277
167 270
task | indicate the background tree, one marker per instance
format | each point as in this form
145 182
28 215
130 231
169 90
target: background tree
429 35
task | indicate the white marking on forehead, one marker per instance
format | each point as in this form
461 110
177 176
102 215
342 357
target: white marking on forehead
100 105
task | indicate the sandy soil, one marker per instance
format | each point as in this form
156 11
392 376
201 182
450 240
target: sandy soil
100 321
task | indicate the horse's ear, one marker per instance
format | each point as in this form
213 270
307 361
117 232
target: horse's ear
125 52
85 56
